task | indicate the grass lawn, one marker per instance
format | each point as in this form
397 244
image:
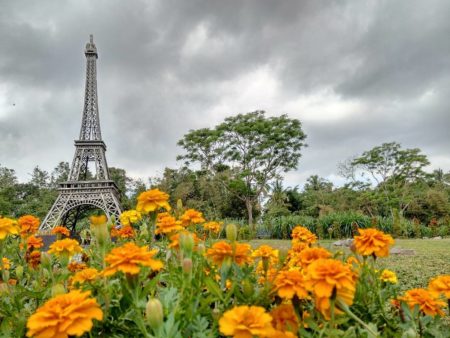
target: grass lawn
432 258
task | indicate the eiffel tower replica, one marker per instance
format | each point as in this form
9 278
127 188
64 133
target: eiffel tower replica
83 190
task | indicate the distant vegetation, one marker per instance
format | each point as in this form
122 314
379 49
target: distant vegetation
234 172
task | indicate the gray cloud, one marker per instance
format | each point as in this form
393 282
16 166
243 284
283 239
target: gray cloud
356 73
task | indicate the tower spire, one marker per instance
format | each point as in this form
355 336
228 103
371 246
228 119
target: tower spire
90 123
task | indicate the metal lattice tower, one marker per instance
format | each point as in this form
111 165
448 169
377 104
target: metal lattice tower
85 190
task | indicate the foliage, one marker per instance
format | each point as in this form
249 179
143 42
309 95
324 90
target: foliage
251 148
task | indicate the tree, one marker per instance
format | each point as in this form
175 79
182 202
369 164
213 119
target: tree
392 169
252 148
60 173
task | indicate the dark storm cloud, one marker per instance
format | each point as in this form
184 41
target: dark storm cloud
356 73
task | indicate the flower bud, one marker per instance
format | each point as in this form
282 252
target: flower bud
187 265
247 288
4 288
179 204
216 313
5 275
231 232
154 312
46 260
201 248
187 243
58 289
19 272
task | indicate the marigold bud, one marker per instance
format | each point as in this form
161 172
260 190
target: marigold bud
46 260
5 275
187 265
58 289
179 204
187 243
201 248
19 272
231 231
247 288
154 312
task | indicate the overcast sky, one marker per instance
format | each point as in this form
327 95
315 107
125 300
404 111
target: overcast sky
356 73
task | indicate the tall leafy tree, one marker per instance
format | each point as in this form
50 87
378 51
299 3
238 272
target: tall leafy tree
393 169
252 148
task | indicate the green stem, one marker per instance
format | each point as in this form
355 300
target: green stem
341 305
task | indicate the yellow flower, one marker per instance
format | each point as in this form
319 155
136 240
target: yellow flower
6 264
440 285
222 250
75 266
302 234
61 230
152 200
129 258
175 239
289 283
265 251
65 315
389 276
284 318
130 217
327 278
8 226
98 220
372 241
428 303
34 242
191 216
212 226
65 247
246 322
309 255
85 275
28 225
33 258
125 232
166 224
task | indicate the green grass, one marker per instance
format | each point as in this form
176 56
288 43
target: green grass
432 258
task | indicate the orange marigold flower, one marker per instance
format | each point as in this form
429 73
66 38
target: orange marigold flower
75 266
130 217
8 226
325 277
440 285
372 241
65 247
85 275
223 250
284 318
265 251
191 216
246 322
98 220
302 234
152 200
12 281
69 314
129 258
175 239
125 232
309 255
428 303
33 258
28 225
166 224
212 226
5 264
388 276
289 283
34 242
61 230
